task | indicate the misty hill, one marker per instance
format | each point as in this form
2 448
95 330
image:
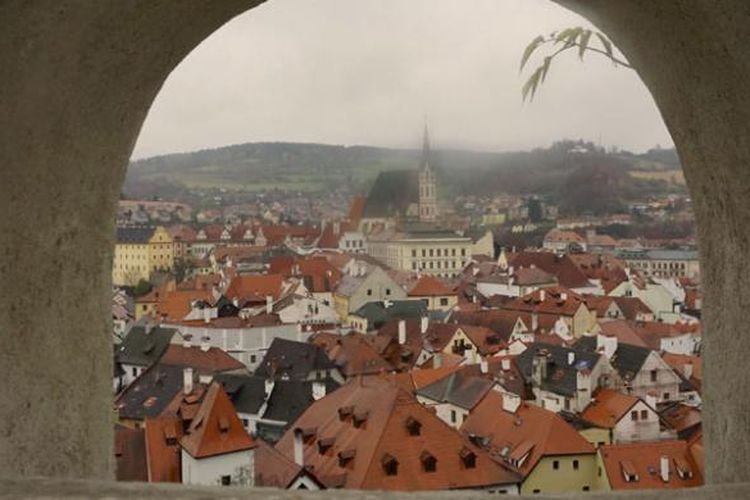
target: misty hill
578 175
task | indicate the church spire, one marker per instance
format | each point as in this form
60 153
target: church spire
426 146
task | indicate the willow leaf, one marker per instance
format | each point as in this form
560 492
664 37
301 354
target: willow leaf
584 43
536 42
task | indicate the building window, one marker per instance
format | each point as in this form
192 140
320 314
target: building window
575 464
226 480
586 488
387 291
414 252
432 253
413 426
644 414
390 465
369 292
634 416
443 301
556 464
453 416
463 252
654 375
666 396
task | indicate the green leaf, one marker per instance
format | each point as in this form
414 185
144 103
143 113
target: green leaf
545 67
529 88
606 43
536 42
584 43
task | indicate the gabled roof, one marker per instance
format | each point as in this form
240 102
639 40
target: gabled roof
134 235
163 448
392 193
378 313
255 285
357 430
430 286
567 273
608 407
458 388
531 431
210 361
551 300
289 398
144 345
353 354
273 469
562 376
642 462
296 360
247 392
177 304
627 359
501 322
216 429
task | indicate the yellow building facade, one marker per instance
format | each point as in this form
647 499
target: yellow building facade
140 252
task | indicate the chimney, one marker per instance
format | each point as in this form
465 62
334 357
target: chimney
539 368
205 345
664 468
505 364
484 366
299 451
511 270
542 295
475 271
269 304
425 322
563 296
571 357
186 341
687 369
207 315
534 322
401 331
147 328
318 390
511 402
187 380
268 387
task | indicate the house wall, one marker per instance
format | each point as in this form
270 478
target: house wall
422 255
628 430
449 413
209 471
377 286
544 478
666 383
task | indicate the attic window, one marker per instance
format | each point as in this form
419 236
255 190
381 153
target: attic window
325 444
223 424
170 435
468 458
628 471
346 457
429 462
390 465
345 411
308 433
683 469
414 426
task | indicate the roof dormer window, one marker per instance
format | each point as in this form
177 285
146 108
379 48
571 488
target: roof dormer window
390 465
346 458
628 471
345 412
429 462
325 444
414 426
468 458
359 418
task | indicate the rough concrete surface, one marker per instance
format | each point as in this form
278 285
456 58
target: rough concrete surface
78 79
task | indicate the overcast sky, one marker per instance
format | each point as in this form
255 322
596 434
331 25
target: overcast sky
368 71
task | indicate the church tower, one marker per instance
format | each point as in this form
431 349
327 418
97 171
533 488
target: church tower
427 184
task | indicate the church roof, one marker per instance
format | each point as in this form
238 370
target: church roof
392 193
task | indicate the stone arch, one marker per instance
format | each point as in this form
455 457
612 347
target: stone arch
79 79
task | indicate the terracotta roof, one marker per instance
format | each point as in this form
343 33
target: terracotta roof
500 321
370 424
163 449
211 361
642 462
430 286
130 454
425 376
562 267
623 331
177 304
256 285
357 209
216 428
352 353
552 300
556 235
273 469
530 429
678 363
682 418
608 407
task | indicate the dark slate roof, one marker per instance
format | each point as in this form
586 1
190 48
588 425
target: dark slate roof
144 349
150 393
627 359
561 376
377 314
392 193
247 392
294 360
290 398
458 388
134 234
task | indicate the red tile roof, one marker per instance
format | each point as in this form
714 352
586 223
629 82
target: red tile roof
130 454
255 285
211 361
642 461
177 304
530 429
566 271
356 432
216 428
163 449
608 407
430 286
